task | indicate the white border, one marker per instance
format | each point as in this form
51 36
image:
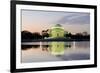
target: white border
20 65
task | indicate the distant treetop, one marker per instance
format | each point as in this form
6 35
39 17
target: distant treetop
58 25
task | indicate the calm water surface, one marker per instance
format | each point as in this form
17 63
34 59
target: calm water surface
55 51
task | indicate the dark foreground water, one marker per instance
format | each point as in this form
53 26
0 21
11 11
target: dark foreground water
55 51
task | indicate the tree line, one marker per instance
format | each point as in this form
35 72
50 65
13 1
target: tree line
26 35
36 35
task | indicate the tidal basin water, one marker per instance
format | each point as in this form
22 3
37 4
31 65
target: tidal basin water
54 51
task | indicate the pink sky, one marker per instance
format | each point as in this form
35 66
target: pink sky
36 21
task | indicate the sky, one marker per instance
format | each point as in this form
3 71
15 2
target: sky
36 21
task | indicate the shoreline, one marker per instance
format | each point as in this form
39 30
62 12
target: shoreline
51 40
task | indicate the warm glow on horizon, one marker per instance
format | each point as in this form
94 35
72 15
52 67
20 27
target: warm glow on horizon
36 21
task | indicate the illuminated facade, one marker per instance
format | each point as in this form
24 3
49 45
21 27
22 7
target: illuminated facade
57 31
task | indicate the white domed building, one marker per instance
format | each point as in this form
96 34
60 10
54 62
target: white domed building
57 31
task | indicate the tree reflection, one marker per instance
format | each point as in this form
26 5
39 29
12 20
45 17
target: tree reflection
26 47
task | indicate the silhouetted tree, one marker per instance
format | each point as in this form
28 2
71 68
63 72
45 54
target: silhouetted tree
36 35
45 33
26 35
68 34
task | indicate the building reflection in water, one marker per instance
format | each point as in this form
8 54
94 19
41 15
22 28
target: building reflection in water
55 48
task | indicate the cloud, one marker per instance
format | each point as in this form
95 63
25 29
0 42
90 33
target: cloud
75 18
